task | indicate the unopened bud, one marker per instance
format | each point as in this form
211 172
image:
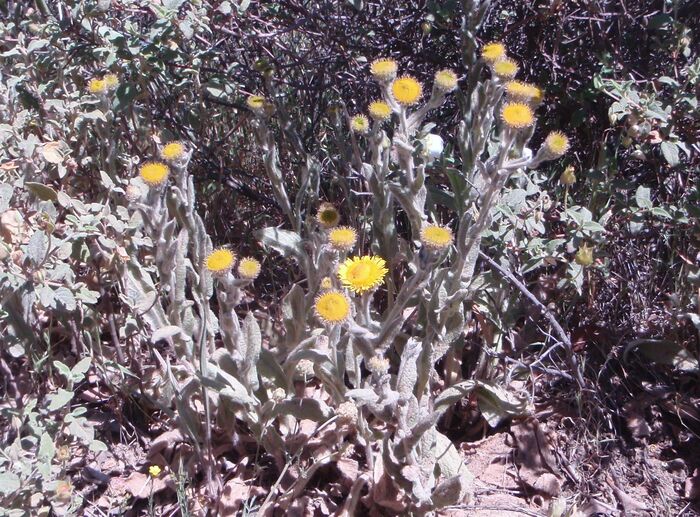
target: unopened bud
568 177
347 412
378 365
584 256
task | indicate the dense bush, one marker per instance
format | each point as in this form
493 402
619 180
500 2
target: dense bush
268 244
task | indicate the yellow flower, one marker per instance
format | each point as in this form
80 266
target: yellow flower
332 307
342 238
256 103
220 261
517 115
154 471
384 70
249 268
173 151
154 173
494 51
568 177
445 80
359 124
360 274
406 90
326 283
436 237
327 215
505 68
111 81
379 111
556 144
524 91
97 86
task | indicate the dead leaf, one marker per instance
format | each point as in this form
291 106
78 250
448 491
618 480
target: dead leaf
349 470
692 486
630 505
537 466
637 424
235 492
166 441
51 151
12 227
138 485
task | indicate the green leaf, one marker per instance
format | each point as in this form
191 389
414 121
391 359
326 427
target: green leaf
307 409
124 96
670 152
59 399
6 191
661 212
41 191
286 243
63 369
661 351
165 332
81 368
47 449
643 197
37 247
65 299
253 345
269 367
9 482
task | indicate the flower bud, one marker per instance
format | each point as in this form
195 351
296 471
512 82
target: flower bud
347 412
584 256
568 177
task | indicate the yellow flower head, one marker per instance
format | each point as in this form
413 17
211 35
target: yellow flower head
249 268
332 307
445 80
359 124
111 81
384 70
326 283
494 51
220 261
154 471
436 237
505 68
379 111
360 274
256 103
406 90
556 144
520 90
517 115
327 215
97 86
342 238
173 151
154 173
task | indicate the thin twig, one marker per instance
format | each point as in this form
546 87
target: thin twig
561 333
